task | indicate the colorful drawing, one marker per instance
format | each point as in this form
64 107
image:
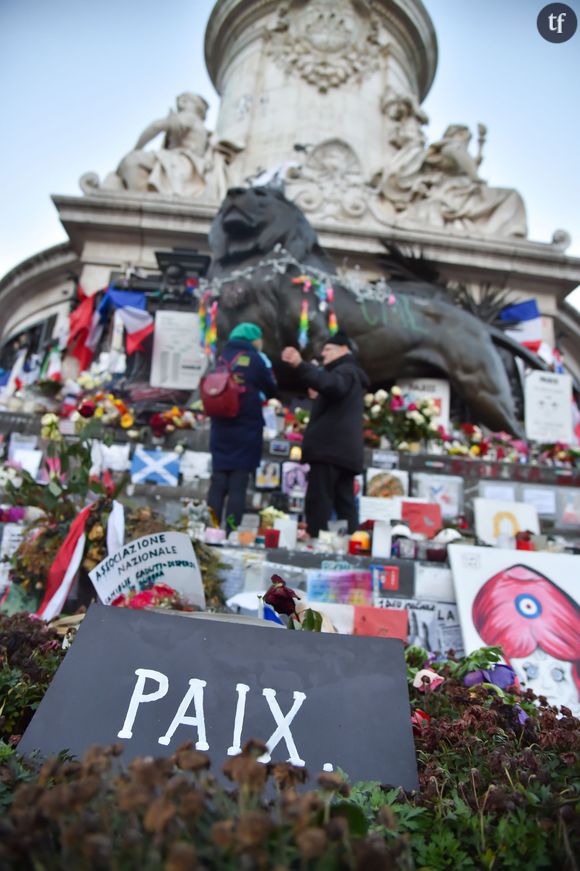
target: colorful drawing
386 485
497 523
519 607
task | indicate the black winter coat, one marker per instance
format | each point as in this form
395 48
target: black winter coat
236 443
334 434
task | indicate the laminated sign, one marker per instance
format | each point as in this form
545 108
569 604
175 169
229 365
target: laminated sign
161 558
152 681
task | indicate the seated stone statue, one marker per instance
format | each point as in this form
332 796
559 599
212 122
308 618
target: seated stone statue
455 196
188 162
399 181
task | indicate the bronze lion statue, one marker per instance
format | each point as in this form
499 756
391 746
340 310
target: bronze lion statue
422 333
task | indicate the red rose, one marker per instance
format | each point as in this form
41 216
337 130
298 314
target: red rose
158 424
87 408
280 597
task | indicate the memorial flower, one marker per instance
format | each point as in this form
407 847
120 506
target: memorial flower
280 597
427 680
502 676
399 418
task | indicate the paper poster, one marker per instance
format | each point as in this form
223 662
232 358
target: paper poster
28 459
498 491
381 622
12 535
268 476
444 490
295 479
377 508
178 360
432 625
385 459
195 464
422 517
436 389
385 485
115 458
568 507
434 582
350 587
20 442
497 523
548 407
157 467
542 498
162 558
526 602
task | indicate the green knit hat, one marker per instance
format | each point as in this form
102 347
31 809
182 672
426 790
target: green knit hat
248 331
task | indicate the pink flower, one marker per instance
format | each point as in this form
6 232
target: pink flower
396 403
412 406
419 720
427 680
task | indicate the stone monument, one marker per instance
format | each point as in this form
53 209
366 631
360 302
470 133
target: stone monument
323 99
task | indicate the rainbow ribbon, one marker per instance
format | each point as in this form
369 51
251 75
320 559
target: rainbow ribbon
332 320
303 325
211 330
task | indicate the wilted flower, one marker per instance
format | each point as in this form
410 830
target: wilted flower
426 679
419 719
280 597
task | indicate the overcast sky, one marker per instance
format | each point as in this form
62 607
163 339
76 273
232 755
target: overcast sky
80 80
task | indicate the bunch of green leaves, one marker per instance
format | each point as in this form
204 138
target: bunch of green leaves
69 487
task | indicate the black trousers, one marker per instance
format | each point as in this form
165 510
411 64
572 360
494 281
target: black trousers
229 489
329 488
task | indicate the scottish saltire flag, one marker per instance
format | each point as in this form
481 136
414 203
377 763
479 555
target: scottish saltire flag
527 329
157 467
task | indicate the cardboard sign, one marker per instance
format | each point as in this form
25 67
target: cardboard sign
159 680
548 407
422 517
436 389
381 622
445 490
497 523
162 558
178 360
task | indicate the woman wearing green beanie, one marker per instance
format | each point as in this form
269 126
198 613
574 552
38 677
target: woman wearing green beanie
236 442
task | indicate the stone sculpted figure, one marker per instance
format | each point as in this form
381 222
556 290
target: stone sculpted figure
456 196
189 163
399 182
439 185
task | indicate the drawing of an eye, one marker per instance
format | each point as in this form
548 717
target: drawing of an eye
558 674
531 670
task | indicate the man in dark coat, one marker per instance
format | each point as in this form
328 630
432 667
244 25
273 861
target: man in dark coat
333 441
236 442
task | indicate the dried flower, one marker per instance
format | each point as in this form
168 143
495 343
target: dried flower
280 597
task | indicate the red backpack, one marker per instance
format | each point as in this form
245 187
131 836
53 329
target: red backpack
219 391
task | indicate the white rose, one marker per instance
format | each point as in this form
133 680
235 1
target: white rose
369 399
375 410
395 391
433 426
381 395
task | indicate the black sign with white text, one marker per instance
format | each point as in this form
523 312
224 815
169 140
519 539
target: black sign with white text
152 681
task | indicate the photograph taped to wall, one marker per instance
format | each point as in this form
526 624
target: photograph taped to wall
268 476
383 484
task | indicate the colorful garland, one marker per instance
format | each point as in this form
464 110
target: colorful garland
325 294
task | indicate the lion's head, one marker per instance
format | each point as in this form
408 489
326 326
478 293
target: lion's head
252 221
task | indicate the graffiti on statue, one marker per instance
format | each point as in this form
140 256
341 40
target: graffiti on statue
190 163
260 242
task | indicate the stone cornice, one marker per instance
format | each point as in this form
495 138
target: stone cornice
42 267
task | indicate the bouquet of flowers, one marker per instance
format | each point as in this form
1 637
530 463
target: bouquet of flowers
398 418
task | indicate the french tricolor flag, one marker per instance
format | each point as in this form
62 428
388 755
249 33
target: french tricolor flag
527 322
131 310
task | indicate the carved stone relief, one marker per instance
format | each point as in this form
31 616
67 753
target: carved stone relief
327 42
330 182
